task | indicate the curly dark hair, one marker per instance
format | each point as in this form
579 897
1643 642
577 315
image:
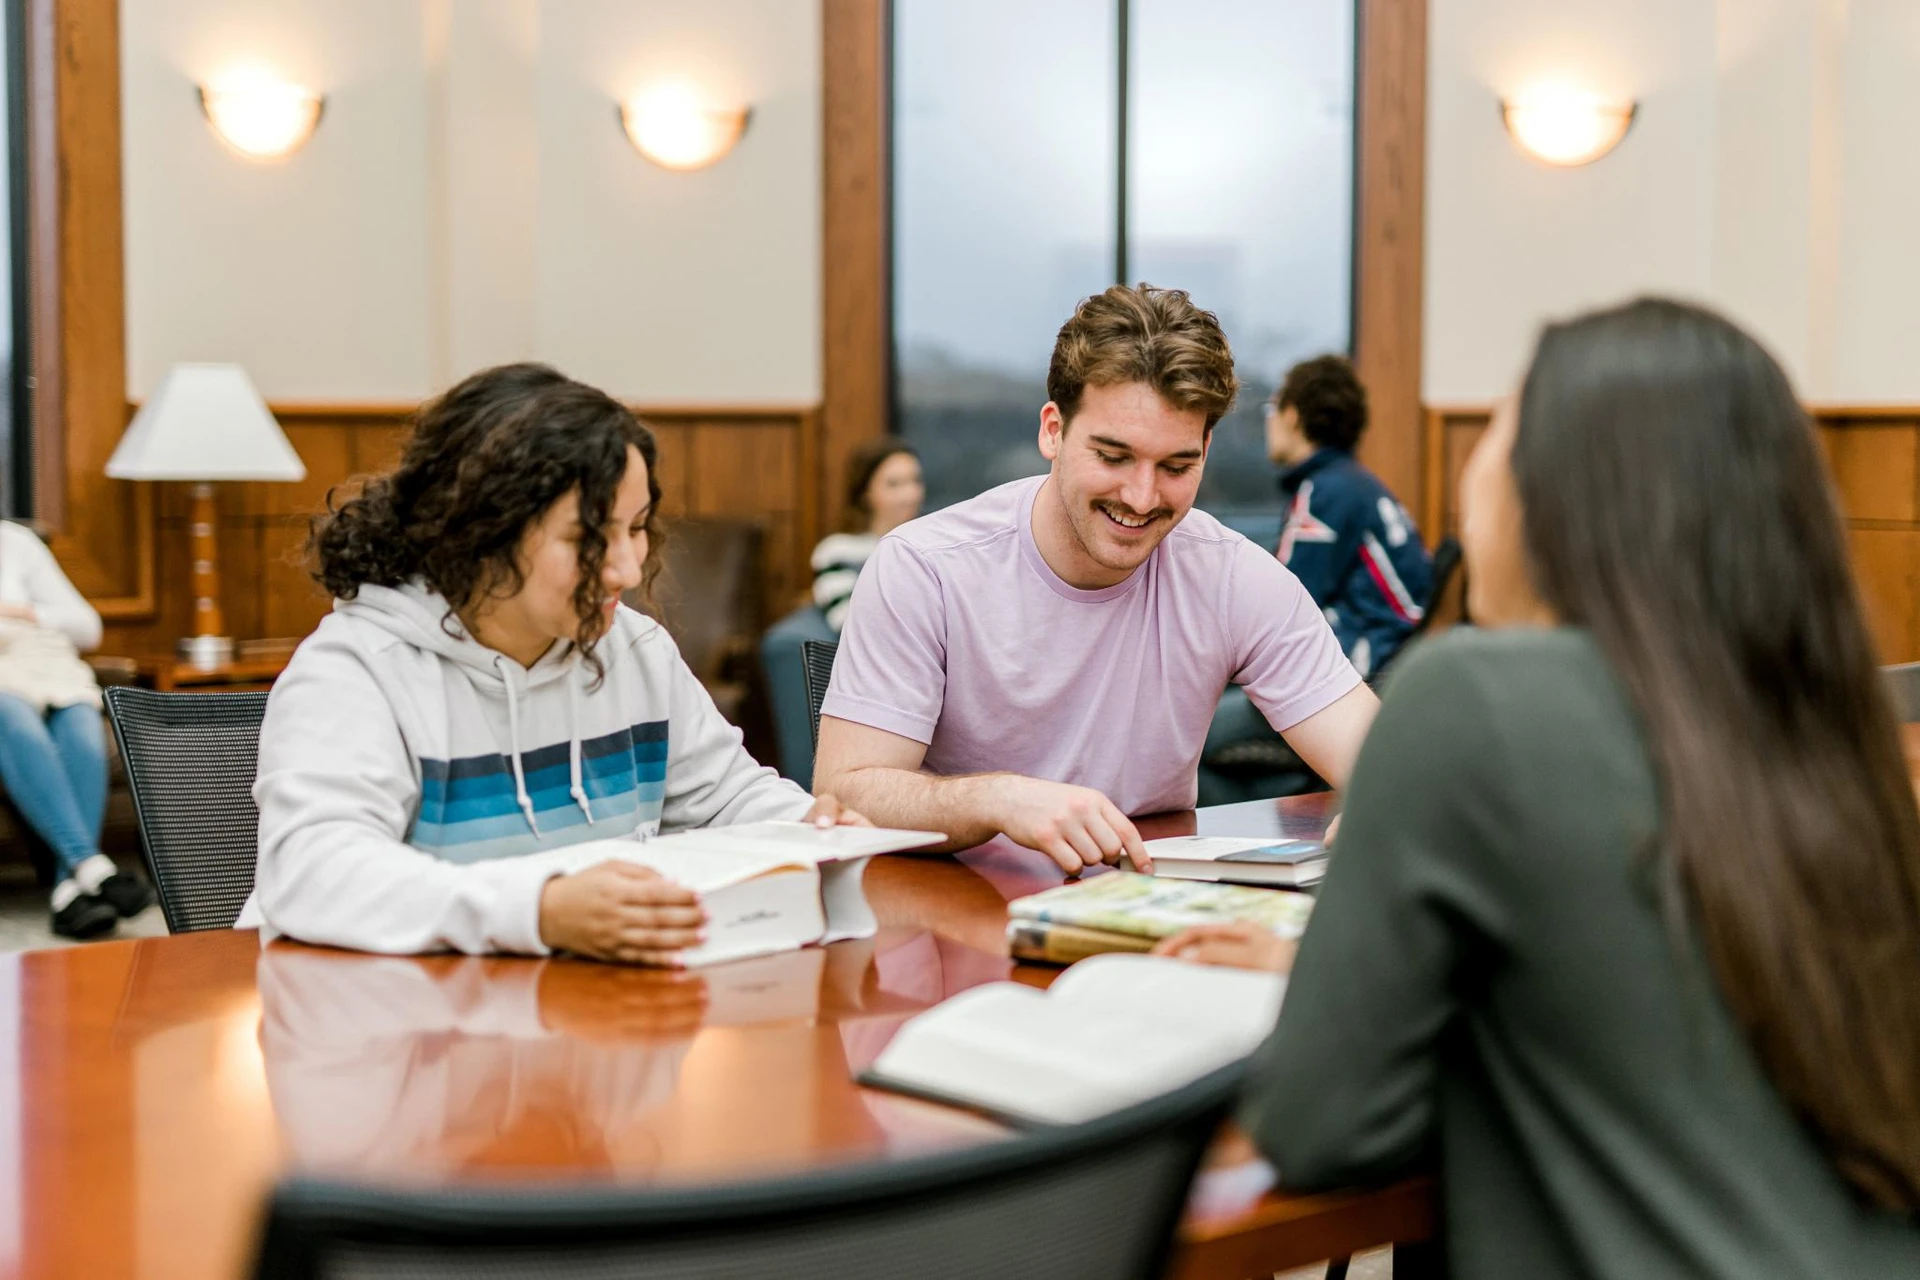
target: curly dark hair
1331 402
484 462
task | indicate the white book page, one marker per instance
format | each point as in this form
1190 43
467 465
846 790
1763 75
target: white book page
1009 1049
1173 997
844 898
1122 1033
801 840
704 870
778 911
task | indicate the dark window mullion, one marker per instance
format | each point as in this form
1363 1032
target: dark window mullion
1124 106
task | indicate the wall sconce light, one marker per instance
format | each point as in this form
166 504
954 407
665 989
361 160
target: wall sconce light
1564 126
261 116
672 127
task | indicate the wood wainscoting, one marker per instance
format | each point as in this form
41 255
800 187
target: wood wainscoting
1874 453
753 463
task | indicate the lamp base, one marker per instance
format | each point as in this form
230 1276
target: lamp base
207 653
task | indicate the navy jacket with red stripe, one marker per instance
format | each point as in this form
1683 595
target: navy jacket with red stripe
1355 549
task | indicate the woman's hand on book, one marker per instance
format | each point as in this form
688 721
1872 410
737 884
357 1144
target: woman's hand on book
1075 826
829 812
620 911
1231 945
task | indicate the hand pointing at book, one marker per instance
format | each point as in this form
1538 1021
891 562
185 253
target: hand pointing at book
1075 826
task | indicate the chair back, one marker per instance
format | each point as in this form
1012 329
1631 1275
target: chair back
707 593
1439 609
1098 1201
816 658
190 761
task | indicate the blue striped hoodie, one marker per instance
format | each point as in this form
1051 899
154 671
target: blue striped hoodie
415 786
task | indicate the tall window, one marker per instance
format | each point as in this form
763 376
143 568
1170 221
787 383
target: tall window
1044 151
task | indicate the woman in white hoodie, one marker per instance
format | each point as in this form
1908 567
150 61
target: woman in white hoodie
480 699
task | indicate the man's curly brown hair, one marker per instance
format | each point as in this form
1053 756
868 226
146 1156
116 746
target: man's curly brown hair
485 461
1144 334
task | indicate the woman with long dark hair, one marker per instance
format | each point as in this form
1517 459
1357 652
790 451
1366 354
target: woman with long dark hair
884 491
480 694
1624 925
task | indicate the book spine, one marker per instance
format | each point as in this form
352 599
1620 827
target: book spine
1045 943
1109 920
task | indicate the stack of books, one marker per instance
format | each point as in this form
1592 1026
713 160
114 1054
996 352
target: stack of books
1122 911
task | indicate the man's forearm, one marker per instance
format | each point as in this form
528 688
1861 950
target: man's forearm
960 806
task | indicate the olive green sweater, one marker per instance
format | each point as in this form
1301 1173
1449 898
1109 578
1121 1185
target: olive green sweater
1488 989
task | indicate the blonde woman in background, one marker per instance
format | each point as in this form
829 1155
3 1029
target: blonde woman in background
53 750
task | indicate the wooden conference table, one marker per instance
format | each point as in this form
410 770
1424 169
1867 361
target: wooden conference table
159 1086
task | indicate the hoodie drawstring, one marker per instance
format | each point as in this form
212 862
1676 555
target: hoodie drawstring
578 790
513 743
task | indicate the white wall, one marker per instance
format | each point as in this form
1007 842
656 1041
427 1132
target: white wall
469 198
1770 172
311 272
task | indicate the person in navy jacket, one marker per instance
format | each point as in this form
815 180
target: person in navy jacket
1348 540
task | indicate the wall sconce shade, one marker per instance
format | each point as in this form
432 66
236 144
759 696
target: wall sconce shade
260 116
1562 126
673 128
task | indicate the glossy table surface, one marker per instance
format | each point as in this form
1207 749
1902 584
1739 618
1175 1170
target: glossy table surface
161 1085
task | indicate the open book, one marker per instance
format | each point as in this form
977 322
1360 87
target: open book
1112 1031
767 886
1238 859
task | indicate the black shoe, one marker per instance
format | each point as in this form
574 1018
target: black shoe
127 895
87 916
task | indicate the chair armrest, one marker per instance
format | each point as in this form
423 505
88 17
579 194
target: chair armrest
111 671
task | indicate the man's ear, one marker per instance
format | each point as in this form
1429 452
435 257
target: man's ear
1053 429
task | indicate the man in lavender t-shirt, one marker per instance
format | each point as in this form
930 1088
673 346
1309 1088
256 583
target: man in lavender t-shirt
1045 659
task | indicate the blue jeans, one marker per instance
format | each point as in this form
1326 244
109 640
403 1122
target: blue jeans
55 770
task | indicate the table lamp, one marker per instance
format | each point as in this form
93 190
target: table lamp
204 423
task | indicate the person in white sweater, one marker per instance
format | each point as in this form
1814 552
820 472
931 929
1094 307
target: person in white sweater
480 699
53 749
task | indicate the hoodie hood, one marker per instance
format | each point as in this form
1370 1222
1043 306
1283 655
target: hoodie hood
418 616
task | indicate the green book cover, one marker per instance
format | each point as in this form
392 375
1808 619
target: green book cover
1159 907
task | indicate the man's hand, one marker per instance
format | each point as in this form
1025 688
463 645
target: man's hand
621 911
1075 826
22 612
829 812
1232 945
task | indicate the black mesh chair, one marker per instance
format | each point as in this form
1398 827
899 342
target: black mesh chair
1098 1201
816 657
1903 686
190 760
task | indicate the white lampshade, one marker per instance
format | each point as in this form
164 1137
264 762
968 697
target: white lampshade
205 422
